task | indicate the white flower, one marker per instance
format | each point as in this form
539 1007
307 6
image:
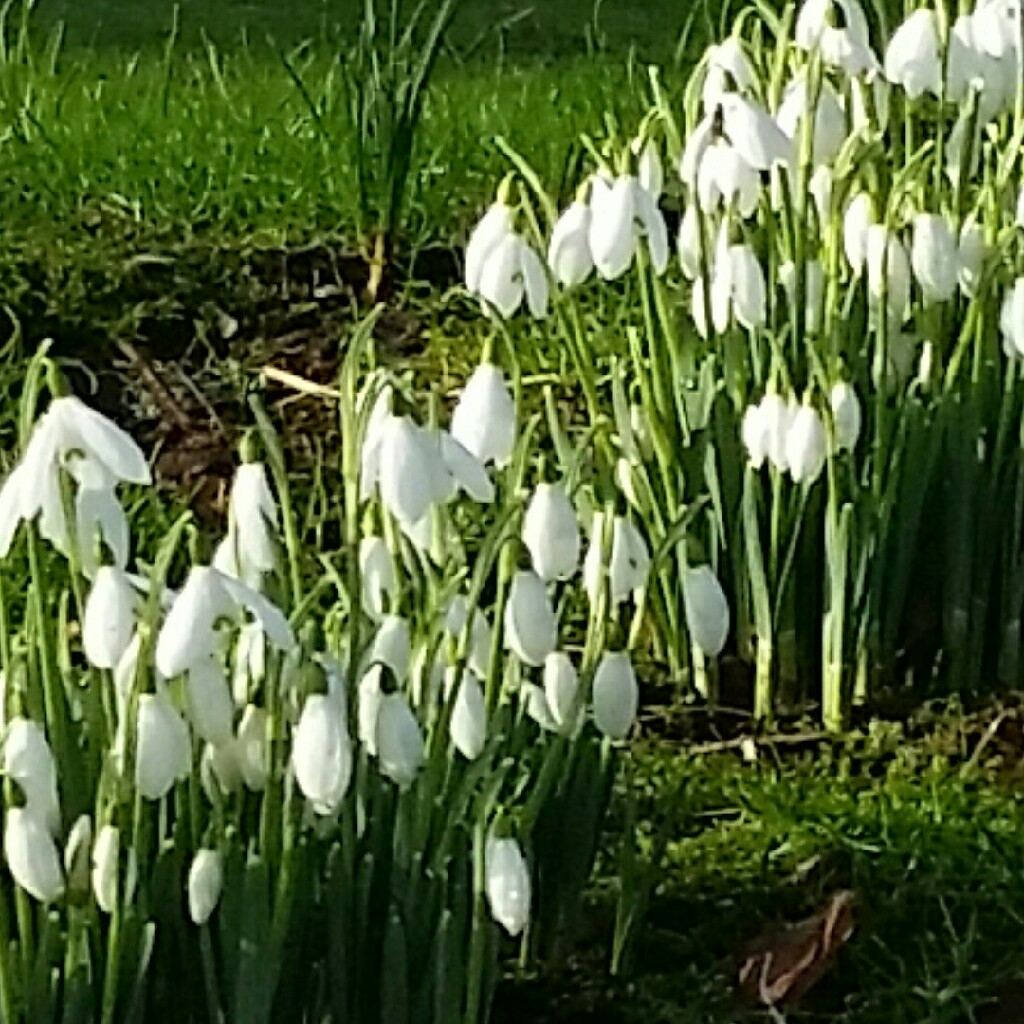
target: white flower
205 884
846 415
163 753
108 623
858 219
469 717
829 131
628 564
689 243
934 257
322 753
253 522
913 58
512 271
649 170
252 750
531 629
737 289
377 576
754 435
211 707
776 420
888 271
569 250
728 69
551 533
996 25
507 884
754 134
561 684
724 176
484 418
28 761
838 29
100 522
400 746
707 611
191 631
1011 319
495 225
105 854
621 214
615 695
392 646
970 257
480 634
32 855
806 445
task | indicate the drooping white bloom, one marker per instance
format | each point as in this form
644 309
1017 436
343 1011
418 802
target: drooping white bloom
370 693
376 576
913 58
622 214
163 753
108 622
934 257
707 611
737 288
704 134
569 250
495 225
205 884
728 69
191 631
1011 319
253 522
561 684
105 854
725 177
970 257
806 445
400 746
754 436
754 134
484 418
997 28
649 169
101 523
846 416
211 707
32 855
469 717
405 465
28 761
858 219
322 753
537 707
511 272
551 533
392 646
629 561
689 243
615 695
829 126
252 748
776 420
507 884
531 629
838 29
888 271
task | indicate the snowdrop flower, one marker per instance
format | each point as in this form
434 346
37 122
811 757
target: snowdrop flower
108 622
970 257
858 219
392 646
220 771
551 533
838 29
205 884
495 225
191 631
996 26
806 445
507 884
32 855
846 416
377 576
814 290
511 272
689 243
888 271
615 695
934 257
754 436
725 177
776 419
252 750
622 214
707 611
649 170
628 564
829 131
105 853
569 254
211 707
1011 319
484 418
728 69
163 751
754 134
100 523
531 629
400 747
561 684
537 707
737 289
369 694
253 522
913 58
28 761
322 753
469 717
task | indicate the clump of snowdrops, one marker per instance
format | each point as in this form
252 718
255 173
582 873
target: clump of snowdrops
826 374
264 781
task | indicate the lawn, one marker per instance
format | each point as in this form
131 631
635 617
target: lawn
815 815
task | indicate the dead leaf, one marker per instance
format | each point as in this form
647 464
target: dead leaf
780 966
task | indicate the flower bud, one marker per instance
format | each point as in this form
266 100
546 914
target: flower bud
551 533
806 445
615 695
32 855
484 418
469 718
322 753
109 619
205 884
400 746
707 611
846 416
163 752
105 853
507 884
531 629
